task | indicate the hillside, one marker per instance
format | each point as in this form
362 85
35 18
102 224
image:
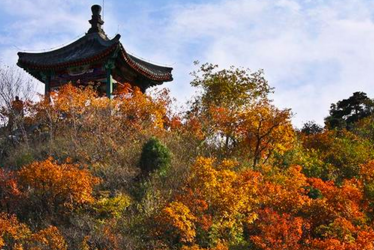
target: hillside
79 171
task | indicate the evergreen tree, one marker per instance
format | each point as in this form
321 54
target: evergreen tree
346 112
154 157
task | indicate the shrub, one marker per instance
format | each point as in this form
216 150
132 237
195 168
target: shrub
155 157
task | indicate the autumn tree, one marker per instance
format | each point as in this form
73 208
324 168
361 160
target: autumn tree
215 204
277 231
364 128
9 190
16 235
342 234
51 188
264 130
232 89
256 132
235 113
12 232
284 191
367 178
339 154
48 238
345 201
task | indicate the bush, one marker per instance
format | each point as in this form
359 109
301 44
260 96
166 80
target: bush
155 157
113 206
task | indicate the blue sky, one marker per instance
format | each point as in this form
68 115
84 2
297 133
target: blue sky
314 52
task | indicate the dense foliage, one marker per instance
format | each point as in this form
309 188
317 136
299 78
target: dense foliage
80 171
345 113
154 157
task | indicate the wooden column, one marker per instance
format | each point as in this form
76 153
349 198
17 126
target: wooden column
109 83
109 66
47 83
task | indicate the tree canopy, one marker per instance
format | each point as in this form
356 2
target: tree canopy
346 112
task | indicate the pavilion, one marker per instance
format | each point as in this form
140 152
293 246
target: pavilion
93 59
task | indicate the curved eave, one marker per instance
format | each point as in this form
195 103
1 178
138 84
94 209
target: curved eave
33 62
143 70
32 65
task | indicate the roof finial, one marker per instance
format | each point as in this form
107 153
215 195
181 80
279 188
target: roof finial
96 20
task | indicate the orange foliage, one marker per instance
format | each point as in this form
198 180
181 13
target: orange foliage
275 231
367 172
8 189
12 233
320 141
130 110
49 238
71 99
296 212
194 127
265 130
216 198
285 192
341 234
345 201
15 235
178 218
256 131
220 246
56 184
141 109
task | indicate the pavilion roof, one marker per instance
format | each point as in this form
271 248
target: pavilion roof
93 47
87 48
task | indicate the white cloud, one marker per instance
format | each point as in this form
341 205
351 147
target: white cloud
41 25
314 52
